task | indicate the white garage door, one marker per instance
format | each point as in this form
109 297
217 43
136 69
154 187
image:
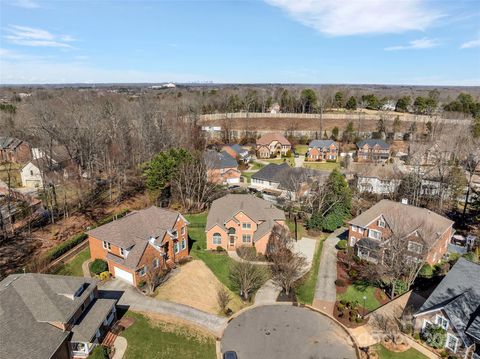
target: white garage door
233 180
124 275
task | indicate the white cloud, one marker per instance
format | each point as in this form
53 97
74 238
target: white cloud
26 4
355 17
29 36
470 44
424 43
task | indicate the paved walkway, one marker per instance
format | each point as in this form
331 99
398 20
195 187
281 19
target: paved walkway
236 257
86 269
325 291
120 345
299 161
130 297
267 294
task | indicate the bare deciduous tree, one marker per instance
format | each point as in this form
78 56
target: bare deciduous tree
223 298
247 277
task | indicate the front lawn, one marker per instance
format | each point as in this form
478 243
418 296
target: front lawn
306 291
256 166
74 266
248 176
325 166
355 293
301 149
384 353
278 161
150 338
300 228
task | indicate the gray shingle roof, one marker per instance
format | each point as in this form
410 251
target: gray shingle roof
458 294
86 326
9 143
259 210
372 142
219 160
321 143
238 149
271 172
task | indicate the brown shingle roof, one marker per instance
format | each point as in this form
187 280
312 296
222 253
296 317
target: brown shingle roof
265 140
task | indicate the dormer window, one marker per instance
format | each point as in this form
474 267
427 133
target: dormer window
107 245
381 222
374 234
122 252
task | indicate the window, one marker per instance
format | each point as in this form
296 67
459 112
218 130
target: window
122 252
156 263
246 238
176 248
246 225
451 342
354 228
381 222
31 172
441 321
107 245
217 238
415 247
374 234
184 230
142 271
184 244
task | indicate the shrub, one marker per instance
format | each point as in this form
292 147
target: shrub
104 276
353 273
141 284
416 336
342 245
64 247
340 307
340 283
220 249
400 287
435 336
98 266
426 271
248 253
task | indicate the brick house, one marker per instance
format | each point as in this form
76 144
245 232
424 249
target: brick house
241 220
272 144
222 168
322 150
369 233
141 241
14 150
237 152
52 316
372 150
455 306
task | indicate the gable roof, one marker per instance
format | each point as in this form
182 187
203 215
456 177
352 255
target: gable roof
136 229
219 160
259 210
9 143
28 302
265 140
238 149
389 208
372 142
270 172
458 295
321 143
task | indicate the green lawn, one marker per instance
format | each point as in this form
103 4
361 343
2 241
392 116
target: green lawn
74 267
384 353
326 166
357 291
306 291
148 339
300 228
256 166
301 149
248 176
97 353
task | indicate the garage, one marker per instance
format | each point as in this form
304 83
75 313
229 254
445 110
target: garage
123 275
233 180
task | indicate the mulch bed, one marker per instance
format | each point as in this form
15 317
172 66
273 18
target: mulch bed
381 296
282 297
345 318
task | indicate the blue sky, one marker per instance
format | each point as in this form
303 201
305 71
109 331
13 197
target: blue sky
283 41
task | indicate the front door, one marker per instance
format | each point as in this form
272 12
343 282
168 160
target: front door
232 240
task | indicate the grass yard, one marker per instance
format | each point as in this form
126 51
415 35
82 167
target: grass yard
278 161
325 166
248 176
74 266
300 228
306 291
97 353
256 166
151 338
301 149
356 292
384 353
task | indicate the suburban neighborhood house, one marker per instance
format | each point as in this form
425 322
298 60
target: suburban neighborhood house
241 220
286 182
454 305
52 316
372 150
222 168
424 231
14 150
322 150
142 241
237 152
378 178
272 145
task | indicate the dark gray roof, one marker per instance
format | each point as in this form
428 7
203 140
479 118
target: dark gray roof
372 142
219 160
86 326
321 143
271 172
458 295
28 302
9 143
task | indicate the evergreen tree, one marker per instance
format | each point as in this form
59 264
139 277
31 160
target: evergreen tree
351 103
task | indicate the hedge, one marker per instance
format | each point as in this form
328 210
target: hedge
64 247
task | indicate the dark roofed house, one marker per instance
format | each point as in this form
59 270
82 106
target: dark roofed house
322 150
372 150
222 168
48 316
241 220
14 150
455 306
141 241
238 152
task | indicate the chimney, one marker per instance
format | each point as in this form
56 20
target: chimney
404 201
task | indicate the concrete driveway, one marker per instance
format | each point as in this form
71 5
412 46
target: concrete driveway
286 332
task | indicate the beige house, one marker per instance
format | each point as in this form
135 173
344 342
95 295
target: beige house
272 144
241 220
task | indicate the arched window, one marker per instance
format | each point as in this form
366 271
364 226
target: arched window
231 230
217 238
